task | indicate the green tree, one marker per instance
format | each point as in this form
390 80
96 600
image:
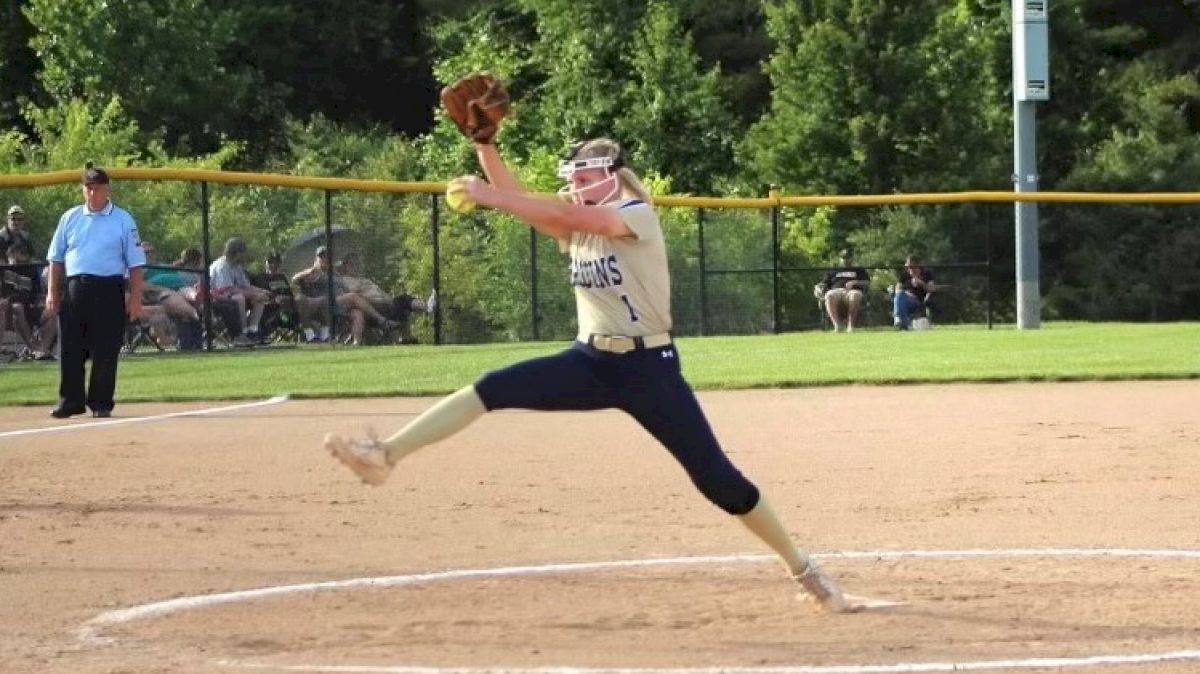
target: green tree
18 64
672 111
732 36
359 63
1127 261
162 59
67 135
874 97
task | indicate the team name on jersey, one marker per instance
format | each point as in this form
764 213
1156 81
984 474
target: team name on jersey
603 272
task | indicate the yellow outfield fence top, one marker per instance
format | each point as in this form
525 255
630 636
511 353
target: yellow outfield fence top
228 177
775 199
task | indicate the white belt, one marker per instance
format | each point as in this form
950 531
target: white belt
621 344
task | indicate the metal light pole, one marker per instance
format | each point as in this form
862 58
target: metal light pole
1031 84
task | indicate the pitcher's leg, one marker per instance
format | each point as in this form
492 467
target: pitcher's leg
669 410
561 381
372 460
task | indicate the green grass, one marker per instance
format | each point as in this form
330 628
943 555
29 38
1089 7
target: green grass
1057 352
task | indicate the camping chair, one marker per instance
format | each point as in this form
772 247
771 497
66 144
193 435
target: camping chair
826 323
925 311
137 333
281 324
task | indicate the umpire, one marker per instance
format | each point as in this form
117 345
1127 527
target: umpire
96 250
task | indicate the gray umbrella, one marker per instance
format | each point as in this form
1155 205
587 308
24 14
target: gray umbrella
303 249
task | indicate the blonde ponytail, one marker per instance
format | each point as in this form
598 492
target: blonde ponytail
631 185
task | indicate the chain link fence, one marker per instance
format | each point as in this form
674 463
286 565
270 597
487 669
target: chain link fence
424 274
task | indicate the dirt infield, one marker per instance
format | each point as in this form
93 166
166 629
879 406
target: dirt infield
99 519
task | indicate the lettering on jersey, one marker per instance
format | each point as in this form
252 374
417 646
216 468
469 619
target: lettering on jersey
601 272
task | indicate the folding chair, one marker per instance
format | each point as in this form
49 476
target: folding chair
137 333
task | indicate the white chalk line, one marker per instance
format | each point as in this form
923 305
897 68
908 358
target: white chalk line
139 420
902 668
91 633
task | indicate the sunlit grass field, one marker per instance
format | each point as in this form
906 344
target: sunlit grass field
1056 352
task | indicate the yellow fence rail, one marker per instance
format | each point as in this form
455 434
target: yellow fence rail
775 199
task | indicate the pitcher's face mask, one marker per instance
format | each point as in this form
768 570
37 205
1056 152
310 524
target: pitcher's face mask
591 186
591 181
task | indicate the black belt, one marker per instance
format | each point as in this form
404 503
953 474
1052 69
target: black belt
92 278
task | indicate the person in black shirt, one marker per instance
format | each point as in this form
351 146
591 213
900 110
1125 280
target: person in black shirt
282 312
843 292
16 229
912 292
26 296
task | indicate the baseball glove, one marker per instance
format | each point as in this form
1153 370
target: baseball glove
477 103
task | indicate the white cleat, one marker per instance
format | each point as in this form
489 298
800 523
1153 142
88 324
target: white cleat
821 589
366 458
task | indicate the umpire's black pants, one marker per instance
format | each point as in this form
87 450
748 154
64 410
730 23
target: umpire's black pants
91 325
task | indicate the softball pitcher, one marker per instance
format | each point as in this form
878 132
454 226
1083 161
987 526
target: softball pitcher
623 356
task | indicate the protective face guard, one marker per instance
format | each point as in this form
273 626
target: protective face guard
567 168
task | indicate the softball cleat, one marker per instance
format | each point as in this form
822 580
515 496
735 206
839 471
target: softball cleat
366 458
821 589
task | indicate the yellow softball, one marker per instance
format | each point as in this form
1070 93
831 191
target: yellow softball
456 197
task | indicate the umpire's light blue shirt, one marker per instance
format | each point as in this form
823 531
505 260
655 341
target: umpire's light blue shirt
102 243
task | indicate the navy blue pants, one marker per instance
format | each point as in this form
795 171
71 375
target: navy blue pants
649 386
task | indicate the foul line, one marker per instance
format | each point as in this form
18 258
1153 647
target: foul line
137 420
902 668
91 631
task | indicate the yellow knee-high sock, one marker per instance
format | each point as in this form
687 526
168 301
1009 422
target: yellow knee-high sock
452 414
763 522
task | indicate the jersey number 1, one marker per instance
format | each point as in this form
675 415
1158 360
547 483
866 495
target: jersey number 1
629 305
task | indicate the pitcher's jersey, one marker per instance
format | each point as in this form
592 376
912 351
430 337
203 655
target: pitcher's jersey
622 285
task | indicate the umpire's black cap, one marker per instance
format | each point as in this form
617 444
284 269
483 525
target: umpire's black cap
93 175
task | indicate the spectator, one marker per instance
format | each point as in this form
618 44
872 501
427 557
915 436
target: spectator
166 275
16 228
228 281
397 309
95 257
4 309
25 299
284 311
912 292
169 313
314 282
190 267
843 292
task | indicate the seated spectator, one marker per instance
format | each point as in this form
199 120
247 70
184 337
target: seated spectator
228 281
25 298
314 282
397 309
5 307
189 266
167 311
16 228
169 276
283 312
843 292
912 293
